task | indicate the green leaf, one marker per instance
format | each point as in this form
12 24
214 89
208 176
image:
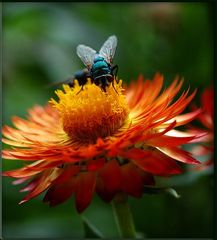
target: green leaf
91 231
160 190
172 192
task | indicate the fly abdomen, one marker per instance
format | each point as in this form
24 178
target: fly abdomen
82 76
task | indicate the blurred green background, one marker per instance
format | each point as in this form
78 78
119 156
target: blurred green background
39 42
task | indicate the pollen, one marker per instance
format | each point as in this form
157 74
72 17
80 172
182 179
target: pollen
89 113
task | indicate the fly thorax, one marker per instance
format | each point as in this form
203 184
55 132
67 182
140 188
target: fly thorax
100 65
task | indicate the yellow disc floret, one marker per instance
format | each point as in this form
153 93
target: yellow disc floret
91 113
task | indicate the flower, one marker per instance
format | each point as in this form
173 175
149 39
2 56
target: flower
206 118
106 142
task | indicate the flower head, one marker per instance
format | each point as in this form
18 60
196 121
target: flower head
91 114
106 142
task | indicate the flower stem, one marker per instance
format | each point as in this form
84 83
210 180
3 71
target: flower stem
123 217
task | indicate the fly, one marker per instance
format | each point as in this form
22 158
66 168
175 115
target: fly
99 67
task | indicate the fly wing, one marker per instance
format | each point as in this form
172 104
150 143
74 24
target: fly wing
86 54
107 51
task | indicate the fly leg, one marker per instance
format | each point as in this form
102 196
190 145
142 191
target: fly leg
114 87
82 87
114 70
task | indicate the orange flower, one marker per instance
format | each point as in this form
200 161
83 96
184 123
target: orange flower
106 142
206 118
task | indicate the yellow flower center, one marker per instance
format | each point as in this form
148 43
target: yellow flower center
91 113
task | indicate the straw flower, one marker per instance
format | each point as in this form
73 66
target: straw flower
105 142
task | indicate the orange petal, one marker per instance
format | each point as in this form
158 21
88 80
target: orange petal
164 141
153 162
179 154
31 169
43 183
185 118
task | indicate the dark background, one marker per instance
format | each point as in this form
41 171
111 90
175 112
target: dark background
39 42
